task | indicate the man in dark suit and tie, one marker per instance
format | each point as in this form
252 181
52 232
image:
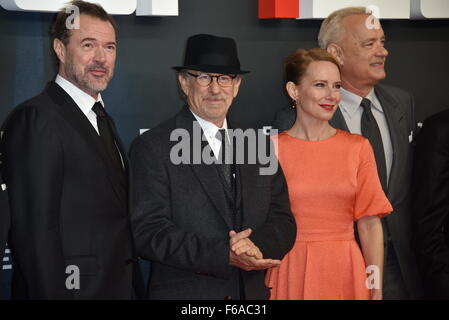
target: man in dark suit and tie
66 173
4 220
210 229
431 204
384 115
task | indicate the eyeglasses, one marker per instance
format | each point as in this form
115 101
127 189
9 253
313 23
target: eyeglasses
204 79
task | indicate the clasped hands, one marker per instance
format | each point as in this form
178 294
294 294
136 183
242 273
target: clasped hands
244 254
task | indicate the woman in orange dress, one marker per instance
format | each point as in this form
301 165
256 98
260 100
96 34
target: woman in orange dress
332 181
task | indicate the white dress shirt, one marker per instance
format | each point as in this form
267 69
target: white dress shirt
352 112
83 100
210 131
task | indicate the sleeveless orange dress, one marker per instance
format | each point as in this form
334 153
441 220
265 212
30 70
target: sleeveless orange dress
331 184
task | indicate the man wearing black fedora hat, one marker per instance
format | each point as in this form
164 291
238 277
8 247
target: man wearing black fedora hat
210 229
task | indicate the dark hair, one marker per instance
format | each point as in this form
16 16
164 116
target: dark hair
296 64
59 29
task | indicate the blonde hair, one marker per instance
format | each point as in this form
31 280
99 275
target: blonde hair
296 64
331 29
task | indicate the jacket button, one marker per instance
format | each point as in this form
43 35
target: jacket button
228 298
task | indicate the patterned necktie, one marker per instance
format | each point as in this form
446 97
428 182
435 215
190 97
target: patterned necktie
370 130
107 135
225 157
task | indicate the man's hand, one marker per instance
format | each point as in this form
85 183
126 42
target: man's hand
241 244
244 254
248 263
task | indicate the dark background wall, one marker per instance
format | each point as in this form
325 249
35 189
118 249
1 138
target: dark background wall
144 91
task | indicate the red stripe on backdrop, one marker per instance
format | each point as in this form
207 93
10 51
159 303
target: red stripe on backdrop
269 9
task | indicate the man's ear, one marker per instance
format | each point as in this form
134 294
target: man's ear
336 51
183 83
237 82
60 50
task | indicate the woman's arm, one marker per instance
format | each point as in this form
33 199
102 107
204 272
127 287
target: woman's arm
371 238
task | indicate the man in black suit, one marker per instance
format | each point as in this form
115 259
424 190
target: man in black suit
209 228
4 220
356 39
431 204
66 173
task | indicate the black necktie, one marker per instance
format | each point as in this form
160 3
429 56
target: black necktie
370 130
107 135
225 157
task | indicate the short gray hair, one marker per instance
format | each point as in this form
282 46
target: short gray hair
331 30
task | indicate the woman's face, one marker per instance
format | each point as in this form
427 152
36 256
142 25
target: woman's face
318 93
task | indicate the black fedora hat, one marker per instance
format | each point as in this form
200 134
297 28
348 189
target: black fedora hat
208 53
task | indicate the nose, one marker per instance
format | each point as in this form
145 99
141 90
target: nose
214 87
333 95
382 52
100 54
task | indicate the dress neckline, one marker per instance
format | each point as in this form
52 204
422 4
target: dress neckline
337 132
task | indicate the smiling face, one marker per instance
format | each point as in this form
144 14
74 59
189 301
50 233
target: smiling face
318 93
88 60
210 102
361 53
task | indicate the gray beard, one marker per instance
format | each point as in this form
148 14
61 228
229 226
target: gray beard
82 81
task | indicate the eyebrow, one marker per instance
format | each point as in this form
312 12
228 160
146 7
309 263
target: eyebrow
326 81
88 39
373 39
93 39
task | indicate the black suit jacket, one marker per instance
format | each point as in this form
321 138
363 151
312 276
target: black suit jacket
68 204
4 221
181 221
398 107
431 204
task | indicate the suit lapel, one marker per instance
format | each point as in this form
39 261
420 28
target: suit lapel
120 147
394 116
338 121
207 175
78 121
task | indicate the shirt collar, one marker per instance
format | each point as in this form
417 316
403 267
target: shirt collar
208 127
374 101
350 102
84 101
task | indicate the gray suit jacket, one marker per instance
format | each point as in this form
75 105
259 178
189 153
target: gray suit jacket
398 106
181 219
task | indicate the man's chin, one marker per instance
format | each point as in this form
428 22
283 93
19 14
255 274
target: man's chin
97 87
379 76
215 116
